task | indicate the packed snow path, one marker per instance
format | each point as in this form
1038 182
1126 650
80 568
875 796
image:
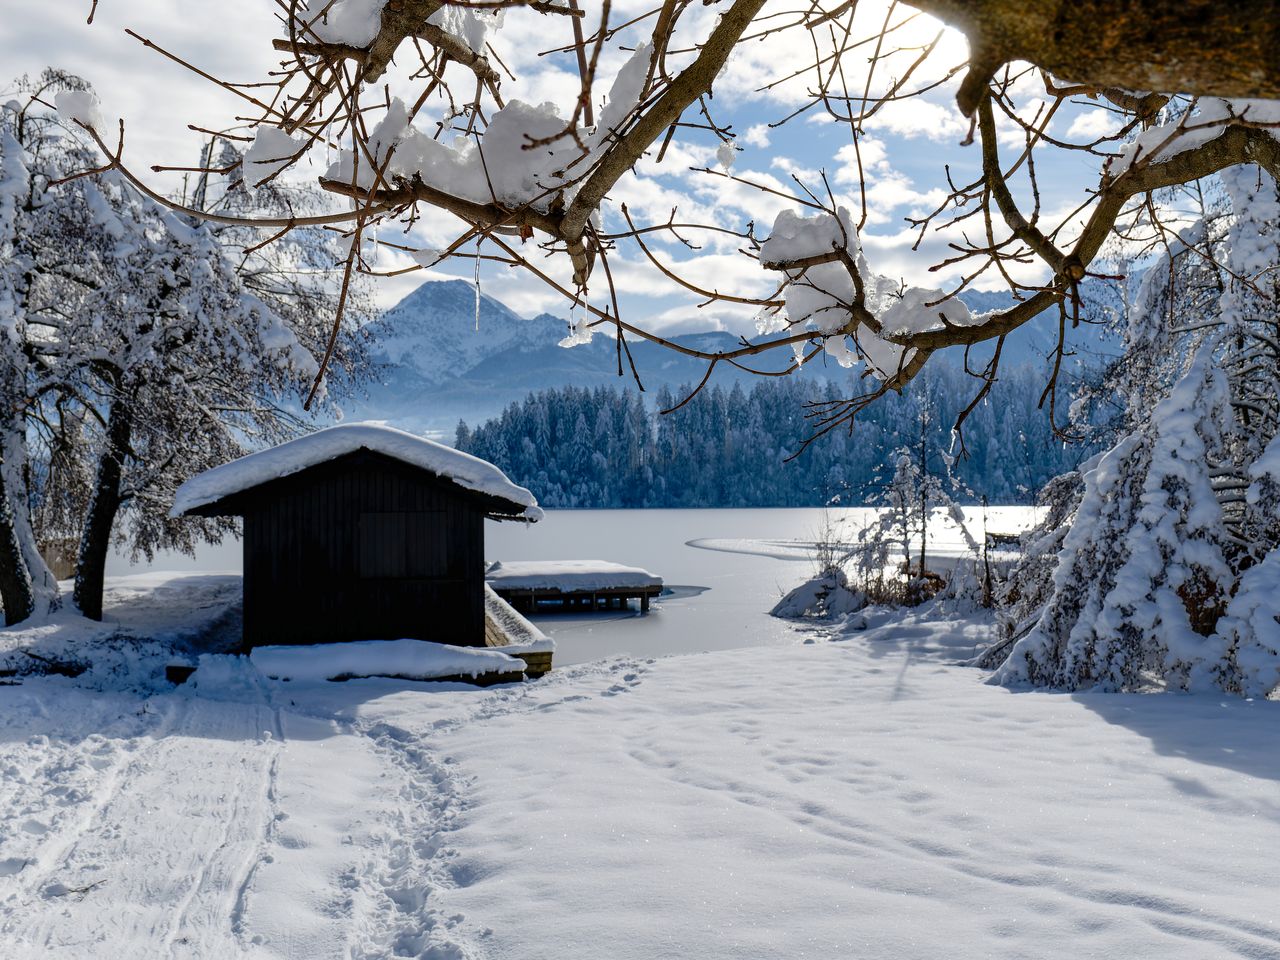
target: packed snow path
189 827
860 798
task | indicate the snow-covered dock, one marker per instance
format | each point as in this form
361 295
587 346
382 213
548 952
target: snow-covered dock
571 584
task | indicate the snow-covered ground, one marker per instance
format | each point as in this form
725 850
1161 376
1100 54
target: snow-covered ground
703 815
862 795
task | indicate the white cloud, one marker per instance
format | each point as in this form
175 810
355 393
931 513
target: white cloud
757 135
924 118
1091 125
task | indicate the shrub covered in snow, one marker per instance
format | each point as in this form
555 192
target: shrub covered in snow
826 595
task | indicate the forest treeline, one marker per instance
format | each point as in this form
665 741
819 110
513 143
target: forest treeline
607 448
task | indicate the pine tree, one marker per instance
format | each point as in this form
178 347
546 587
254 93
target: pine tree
1164 577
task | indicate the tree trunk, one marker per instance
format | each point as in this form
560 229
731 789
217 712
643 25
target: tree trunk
1204 47
26 584
15 581
924 485
95 540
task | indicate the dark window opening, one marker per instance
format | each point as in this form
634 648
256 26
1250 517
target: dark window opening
408 546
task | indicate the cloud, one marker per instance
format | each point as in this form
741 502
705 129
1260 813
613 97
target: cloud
922 118
1094 124
757 135
156 97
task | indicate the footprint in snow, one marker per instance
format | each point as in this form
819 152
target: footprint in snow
13 865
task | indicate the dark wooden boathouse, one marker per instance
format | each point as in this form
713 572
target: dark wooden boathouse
366 538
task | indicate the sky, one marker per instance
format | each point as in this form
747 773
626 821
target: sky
906 149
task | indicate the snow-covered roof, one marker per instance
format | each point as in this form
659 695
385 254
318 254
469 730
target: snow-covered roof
466 471
567 575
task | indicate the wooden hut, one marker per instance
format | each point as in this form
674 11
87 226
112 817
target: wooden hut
360 532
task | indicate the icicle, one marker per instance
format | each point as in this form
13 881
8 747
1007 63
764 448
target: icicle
477 284
580 331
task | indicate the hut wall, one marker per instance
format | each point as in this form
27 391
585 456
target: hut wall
363 548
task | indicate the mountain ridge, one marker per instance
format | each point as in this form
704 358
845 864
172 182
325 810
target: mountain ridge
440 359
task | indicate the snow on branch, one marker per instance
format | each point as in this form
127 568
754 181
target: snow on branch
421 120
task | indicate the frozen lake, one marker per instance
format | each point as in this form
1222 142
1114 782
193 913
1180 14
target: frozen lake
724 568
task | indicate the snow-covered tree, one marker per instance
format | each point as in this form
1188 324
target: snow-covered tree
142 347
37 268
205 344
184 363
1162 578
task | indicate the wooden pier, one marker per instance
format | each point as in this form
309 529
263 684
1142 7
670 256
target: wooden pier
530 600
572 585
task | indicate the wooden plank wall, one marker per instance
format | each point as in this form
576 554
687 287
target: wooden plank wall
364 548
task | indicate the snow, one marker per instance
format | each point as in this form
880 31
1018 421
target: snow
324 445
861 795
472 27
353 22
524 637
795 236
150 619
80 106
820 296
567 575
505 165
1211 118
271 151
725 155
411 659
1252 625
1266 466
826 595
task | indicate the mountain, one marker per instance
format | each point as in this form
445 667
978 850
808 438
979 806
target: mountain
436 333
435 367
436 364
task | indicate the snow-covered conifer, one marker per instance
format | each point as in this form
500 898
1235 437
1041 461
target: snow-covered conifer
1162 580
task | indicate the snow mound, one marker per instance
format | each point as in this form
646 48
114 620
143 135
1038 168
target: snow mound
824 596
411 659
295 456
567 575
82 107
150 620
271 151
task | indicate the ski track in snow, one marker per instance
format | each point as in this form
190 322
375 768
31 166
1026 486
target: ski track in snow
187 827
199 828
159 841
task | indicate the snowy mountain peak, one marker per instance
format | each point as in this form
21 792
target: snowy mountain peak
439 331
